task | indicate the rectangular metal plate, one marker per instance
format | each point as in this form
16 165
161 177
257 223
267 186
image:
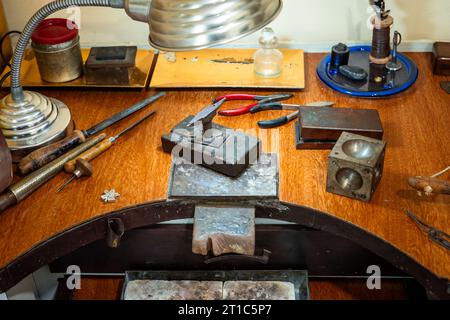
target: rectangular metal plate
329 123
259 182
298 278
312 144
223 230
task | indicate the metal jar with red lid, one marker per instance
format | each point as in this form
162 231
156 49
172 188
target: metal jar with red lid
56 44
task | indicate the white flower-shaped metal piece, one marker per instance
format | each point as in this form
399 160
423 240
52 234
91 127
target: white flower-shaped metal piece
110 196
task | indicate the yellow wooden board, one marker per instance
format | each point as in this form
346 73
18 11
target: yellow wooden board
31 78
225 68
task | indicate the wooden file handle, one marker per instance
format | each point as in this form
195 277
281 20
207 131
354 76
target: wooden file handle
430 185
47 154
89 155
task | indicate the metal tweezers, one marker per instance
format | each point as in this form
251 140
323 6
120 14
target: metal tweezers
439 237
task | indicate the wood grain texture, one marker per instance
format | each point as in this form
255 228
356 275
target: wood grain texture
100 289
416 127
200 69
351 289
31 78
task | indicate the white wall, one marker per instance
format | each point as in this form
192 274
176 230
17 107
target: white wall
309 24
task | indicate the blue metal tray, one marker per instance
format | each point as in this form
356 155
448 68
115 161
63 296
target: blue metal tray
389 84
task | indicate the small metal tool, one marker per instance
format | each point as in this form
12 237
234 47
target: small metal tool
83 169
435 235
206 116
94 152
394 65
281 106
250 97
380 8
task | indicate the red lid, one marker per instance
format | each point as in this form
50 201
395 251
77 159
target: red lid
55 31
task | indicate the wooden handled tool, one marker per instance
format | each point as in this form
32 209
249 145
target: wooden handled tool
102 147
22 189
45 155
90 155
430 185
41 157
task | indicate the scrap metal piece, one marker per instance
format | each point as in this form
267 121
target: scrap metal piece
258 290
258 182
356 166
110 196
173 290
223 230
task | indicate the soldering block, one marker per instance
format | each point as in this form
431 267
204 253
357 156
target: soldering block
230 153
223 230
356 166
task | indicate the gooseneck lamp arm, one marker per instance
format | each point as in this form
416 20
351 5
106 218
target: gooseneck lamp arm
38 17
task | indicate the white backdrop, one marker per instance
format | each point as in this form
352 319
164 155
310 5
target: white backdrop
309 24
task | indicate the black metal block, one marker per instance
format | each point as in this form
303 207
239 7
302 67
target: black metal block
227 151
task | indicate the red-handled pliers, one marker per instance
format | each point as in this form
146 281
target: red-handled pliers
259 100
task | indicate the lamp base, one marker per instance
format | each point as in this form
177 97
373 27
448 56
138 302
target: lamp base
32 123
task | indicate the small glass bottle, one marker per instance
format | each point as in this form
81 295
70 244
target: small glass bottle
268 60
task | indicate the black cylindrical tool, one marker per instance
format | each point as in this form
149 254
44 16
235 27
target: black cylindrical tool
340 55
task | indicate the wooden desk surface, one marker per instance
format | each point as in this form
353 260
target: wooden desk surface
417 130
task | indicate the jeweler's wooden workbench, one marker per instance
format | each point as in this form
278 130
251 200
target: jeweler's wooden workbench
417 129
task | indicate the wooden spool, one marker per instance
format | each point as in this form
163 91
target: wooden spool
380 24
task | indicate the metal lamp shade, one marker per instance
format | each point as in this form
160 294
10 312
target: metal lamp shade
183 25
